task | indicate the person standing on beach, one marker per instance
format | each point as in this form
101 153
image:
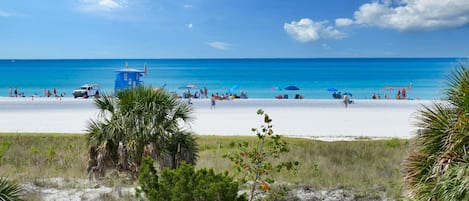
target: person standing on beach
55 92
213 99
16 92
205 92
346 100
10 91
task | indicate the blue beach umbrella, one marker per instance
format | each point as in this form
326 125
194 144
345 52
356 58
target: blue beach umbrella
233 88
292 88
332 89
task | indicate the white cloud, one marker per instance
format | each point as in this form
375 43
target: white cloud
342 22
111 4
220 45
101 5
4 14
414 15
187 6
189 26
306 30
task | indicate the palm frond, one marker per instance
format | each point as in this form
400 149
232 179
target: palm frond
139 117
439 162
9 191
454 184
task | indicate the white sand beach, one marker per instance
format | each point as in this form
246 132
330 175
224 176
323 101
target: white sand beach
318 119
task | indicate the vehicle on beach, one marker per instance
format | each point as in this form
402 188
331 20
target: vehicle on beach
86 91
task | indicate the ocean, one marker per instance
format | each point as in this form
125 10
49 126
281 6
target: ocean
259 78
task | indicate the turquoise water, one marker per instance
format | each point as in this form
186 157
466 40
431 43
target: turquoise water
257 77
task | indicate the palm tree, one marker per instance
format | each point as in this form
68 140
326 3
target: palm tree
9 191
179 147
137 119
438 167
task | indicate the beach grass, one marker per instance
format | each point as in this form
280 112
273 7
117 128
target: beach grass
361 165
26 157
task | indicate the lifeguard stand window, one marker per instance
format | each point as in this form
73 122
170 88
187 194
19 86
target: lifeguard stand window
125 76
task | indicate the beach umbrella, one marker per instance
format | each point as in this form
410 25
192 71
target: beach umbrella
292 88
348 93
233 88
332 89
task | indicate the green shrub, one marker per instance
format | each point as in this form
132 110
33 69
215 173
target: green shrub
185 184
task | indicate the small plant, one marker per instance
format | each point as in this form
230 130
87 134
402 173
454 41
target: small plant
50 154
257 162
185 184
4 146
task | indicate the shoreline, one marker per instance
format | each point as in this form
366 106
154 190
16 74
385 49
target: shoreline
321 119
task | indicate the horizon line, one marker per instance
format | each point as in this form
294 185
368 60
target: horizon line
223 58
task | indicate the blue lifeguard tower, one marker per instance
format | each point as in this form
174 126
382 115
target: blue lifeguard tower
128 78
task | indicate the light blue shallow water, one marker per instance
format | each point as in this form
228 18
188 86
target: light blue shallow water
257 77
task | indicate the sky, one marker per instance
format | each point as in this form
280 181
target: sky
81 29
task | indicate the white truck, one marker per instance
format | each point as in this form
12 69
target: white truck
86 91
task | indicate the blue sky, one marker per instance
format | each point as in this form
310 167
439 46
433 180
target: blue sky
36 29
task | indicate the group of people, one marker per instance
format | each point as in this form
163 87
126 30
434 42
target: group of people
226 96
401 95
16 94
46 93
203 94
297 96
337 95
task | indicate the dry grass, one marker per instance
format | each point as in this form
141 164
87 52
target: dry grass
25 157
361 165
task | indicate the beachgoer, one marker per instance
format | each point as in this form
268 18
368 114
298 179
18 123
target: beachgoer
205 92
213 99
398 94
10 91
55 92
44 93
346 99
403 93
374 96
16 92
